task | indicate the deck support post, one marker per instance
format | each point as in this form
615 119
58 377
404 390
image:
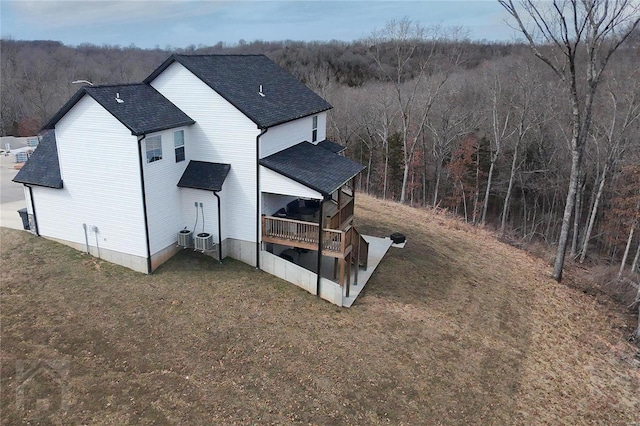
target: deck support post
355 278
348 260
215 193
319 267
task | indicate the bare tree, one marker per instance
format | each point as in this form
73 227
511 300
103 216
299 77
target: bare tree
560 33
408 57
528 115
627 247
615 135
636 305
502 110
448 123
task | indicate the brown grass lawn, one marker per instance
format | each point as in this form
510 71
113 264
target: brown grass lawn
456 328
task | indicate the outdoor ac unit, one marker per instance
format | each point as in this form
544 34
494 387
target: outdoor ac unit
184 238
203 241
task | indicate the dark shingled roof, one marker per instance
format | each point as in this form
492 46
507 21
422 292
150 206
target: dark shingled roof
331 146
203 175
42 168
143 110
314 167
237 78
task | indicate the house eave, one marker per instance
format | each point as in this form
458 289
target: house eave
64 110
315 188
28 183
158 129
277 123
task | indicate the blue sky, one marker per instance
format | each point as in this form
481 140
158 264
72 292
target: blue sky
179 23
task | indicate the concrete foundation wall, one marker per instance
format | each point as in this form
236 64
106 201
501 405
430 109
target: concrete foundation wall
130 261
244 251
301 277
137 263
163 255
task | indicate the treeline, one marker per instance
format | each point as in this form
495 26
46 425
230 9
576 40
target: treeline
479 129
37 76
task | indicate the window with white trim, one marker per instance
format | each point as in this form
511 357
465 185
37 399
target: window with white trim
178 143
153 147
314 129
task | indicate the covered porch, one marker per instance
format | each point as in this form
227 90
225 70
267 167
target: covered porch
322 226
308 213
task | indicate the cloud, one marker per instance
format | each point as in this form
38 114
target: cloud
69 13
147 23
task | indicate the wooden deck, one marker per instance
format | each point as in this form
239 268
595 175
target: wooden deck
301 234
348 247
340 239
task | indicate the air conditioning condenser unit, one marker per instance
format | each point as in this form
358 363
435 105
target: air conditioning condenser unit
184 238
203 241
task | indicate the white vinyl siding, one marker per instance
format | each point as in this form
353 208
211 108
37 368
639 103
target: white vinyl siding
285 135
164 212
275 183
222 134
100 169
207 222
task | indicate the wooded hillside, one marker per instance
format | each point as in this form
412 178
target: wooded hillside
478 129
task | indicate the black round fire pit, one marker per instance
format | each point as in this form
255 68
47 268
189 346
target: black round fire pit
398 238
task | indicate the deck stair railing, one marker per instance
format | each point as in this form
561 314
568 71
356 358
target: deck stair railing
341 217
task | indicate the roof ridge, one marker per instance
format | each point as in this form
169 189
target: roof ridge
217 54
284 99
103 86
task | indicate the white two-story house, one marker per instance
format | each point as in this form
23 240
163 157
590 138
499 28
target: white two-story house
225 154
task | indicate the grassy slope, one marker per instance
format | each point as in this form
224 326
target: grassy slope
455 328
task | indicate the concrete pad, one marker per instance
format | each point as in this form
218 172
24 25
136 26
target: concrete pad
9 217
378 247
9 190
11 195
399 245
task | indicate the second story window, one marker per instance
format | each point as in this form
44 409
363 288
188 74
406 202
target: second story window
153 146
178 142
314 129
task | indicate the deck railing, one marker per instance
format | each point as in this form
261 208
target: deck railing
363 251
290 229
332 240
346 245
339 219
297 233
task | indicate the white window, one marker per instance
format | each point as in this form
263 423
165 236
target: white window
314 129
153 146
178 142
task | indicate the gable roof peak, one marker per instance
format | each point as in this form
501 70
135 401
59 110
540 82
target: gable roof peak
138 106
237 78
